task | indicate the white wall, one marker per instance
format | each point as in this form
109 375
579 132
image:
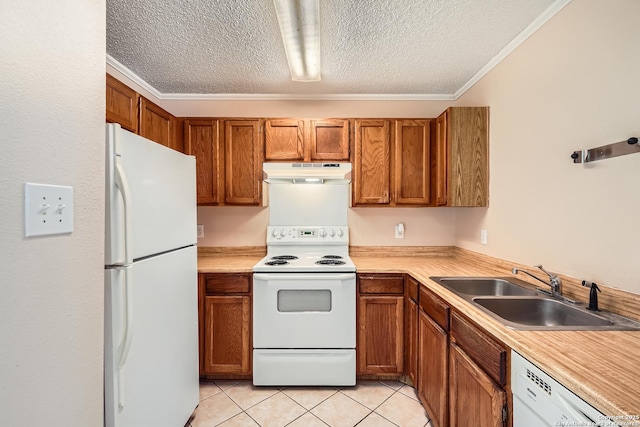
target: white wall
51 288
573 85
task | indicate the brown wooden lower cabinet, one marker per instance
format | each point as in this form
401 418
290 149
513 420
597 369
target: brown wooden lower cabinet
380 342
225 324
380 335
475 400
411 323
477 378
226 334
433 369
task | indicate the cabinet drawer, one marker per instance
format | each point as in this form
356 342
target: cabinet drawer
412 288
227 283
487 353
435 308
381 284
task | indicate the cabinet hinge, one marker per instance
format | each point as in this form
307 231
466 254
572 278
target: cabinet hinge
505 415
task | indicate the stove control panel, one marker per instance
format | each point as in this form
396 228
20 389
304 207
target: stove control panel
316 235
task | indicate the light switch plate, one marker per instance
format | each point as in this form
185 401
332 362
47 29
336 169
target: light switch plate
48 209
200 231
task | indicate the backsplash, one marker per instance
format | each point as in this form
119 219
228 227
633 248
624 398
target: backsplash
246 226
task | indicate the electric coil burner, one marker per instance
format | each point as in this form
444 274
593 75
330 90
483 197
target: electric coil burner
306 249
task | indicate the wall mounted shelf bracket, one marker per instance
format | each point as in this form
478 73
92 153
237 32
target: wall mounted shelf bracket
607 151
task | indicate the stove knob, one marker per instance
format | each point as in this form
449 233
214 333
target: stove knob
323 233
340 232
283 232
332 233
274 233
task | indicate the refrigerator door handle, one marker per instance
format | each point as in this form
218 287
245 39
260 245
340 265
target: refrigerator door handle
127 337
123 184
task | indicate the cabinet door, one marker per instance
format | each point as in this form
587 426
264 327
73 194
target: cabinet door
122 104
411 341
284 139
433 352
202 140
441 160
329 139
475 400
380 340
371 162
412 162
243 162
226 335
411 298
156 124
468 162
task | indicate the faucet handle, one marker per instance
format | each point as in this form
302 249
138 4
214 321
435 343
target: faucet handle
548 273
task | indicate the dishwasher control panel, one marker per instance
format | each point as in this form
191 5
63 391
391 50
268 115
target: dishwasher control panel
539 400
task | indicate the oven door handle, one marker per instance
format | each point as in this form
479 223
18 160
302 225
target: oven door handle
303 276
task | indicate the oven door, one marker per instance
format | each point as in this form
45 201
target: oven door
304 310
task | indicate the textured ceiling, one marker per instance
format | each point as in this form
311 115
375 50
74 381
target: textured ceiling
396 47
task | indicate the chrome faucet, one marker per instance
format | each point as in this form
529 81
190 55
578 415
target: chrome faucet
554 281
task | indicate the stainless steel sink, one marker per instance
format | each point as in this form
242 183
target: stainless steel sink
541 312
517 305
483 286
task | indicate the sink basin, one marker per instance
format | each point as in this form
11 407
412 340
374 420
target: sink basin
517 306
483 286
541 312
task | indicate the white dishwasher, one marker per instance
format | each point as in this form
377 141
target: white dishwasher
539 400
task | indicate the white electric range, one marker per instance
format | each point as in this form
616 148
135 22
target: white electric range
304 290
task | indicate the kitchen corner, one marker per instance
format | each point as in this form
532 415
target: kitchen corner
600 367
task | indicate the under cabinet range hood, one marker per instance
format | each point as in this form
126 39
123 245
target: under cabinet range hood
307 173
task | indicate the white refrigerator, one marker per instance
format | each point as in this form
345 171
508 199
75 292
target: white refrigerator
151 312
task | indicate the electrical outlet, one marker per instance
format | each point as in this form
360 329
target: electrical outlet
200 231
483 237
400 231
48 209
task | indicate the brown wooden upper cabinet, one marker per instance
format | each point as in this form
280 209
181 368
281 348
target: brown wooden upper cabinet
462 157
329 139
228 160
202 140
284 139
412 166
156 124
122 104
137 114
371 183
391 162
243 162
306 139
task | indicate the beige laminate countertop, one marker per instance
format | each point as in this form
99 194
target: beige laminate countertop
601 367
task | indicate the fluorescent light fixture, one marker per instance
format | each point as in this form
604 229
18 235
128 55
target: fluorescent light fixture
299 22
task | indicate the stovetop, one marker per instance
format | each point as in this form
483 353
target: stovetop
306 249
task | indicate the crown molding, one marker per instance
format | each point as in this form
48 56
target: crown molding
115 64
305 97
133 77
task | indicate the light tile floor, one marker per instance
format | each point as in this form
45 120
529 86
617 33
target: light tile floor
368 404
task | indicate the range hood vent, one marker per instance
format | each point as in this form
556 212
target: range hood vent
307 173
